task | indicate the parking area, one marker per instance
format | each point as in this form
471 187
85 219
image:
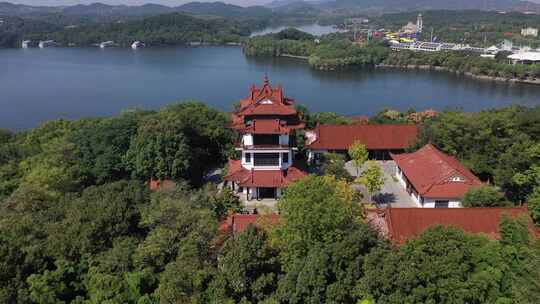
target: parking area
392 194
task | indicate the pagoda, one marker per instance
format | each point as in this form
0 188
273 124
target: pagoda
266 122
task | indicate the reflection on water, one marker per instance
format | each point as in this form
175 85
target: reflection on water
39 85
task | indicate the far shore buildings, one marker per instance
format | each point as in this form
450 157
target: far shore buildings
434 179
380 140
266 122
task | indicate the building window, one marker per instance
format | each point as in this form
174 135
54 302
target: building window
240 189
266 159
248 158
285 158
441 204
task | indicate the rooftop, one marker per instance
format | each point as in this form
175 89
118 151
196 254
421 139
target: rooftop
374 137
262 178
402 224
435 174
236 223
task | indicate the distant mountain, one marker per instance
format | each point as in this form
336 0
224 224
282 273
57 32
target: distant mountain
10 9
100 9
223 9
409 5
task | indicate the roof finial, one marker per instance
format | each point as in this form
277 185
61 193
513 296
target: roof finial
266 79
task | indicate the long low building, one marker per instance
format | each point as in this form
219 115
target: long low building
402 224
380 140
434 179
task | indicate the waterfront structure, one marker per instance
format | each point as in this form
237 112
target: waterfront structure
432 178
106 44
26 44
402 224
529 31
529 57
266 122
47 43
380 140
424 46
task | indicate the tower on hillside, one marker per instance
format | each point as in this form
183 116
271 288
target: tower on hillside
266 122
419 23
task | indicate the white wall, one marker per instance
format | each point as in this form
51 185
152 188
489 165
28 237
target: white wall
247 140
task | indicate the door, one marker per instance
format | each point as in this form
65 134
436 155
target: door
267 193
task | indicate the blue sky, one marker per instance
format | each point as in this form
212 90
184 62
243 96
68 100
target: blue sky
131 2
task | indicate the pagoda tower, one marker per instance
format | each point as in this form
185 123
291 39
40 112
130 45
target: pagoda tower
266 122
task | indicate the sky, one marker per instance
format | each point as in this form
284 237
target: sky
131 2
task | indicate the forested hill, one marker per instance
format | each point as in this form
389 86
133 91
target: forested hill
166 29
105 10
407 5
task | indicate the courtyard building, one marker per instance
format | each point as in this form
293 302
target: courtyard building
380 140
432 178
266 122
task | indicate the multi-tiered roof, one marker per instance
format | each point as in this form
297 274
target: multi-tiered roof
266 111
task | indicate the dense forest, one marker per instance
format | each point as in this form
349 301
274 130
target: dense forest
166 29
79 225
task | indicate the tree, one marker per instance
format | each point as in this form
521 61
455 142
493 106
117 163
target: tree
372 178
334 164
358 154
314 210
443 265
534 205
248 268
329 272
484 196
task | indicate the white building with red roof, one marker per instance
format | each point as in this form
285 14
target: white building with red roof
434 179
266 122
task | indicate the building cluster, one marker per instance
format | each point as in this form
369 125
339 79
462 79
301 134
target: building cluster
267 124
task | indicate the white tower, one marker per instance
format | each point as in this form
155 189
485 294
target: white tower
419 23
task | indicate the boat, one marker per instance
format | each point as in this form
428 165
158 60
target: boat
137 44
106 44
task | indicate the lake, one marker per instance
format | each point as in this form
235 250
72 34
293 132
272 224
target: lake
37 85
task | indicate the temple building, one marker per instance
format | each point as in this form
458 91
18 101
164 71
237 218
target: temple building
266 122
434 179
380 140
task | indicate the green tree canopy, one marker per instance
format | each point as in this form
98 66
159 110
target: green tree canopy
314 210
484 196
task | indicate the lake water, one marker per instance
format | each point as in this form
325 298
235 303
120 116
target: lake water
38 85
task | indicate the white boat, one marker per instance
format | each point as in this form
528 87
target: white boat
137 44
47 43
106 44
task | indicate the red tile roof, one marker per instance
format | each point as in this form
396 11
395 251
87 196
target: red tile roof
402 224
236 223
265 101
262 178
374 137
430 172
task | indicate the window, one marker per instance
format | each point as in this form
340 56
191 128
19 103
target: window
266 159
285 158
441 204
248 158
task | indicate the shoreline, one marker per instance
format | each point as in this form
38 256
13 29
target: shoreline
468 74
